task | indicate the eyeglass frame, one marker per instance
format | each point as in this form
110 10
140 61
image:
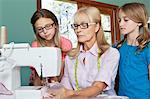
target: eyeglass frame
81 25
47 27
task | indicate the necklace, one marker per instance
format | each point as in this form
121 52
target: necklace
75 70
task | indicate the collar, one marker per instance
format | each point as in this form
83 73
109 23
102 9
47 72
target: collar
93 50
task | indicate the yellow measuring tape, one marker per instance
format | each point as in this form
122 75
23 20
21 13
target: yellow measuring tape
76 66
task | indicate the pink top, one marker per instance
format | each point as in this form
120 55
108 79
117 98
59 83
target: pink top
87 71
66 46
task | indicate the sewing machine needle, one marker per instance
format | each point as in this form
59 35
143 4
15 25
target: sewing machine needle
41 77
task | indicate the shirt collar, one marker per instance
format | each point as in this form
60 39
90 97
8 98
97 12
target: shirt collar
93 50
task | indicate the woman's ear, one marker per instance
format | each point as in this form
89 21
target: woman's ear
97 27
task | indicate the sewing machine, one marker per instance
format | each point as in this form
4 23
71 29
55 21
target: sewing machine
46 61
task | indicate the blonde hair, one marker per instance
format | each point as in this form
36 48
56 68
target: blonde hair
94 15
137 13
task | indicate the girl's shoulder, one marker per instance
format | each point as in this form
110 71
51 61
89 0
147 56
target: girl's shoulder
64 40
34 43
119 44
66 44
147 48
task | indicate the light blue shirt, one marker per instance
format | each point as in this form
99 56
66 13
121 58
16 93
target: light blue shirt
87 71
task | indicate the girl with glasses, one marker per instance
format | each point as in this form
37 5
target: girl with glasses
90 69
46 29
134 51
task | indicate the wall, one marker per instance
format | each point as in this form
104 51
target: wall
147 3
16 14
121 2
0 12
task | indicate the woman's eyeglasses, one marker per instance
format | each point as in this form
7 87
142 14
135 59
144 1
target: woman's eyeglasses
47 27
82 25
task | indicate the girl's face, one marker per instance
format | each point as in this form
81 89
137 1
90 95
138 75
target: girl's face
84 29
45 27
127 26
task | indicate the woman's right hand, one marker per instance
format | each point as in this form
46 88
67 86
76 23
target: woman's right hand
53 91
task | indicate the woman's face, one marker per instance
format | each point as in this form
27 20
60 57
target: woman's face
127 26
46 28
84 29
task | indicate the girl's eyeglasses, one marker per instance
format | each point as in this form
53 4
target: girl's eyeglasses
47 27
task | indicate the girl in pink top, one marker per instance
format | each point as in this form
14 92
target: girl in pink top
46 28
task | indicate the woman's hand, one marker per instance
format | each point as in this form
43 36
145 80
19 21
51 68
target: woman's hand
76 97
68 93
53 91
54 94
61 93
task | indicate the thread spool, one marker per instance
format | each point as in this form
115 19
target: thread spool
3 35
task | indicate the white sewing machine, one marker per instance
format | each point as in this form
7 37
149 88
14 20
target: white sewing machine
13 56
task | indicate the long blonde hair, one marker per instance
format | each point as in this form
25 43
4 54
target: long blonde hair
137 13
94 15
